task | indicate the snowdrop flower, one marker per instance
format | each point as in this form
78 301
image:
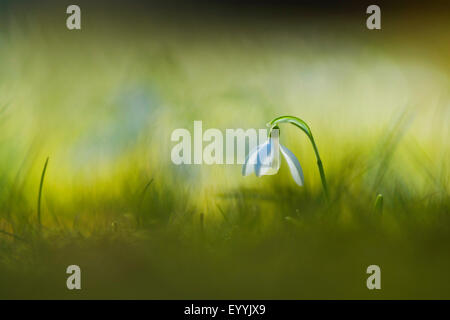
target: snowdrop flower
264 159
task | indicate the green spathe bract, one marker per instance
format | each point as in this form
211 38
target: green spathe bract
299 123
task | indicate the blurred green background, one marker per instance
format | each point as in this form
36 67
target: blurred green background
103 101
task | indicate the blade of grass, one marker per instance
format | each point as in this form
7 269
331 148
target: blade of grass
389 146
41 184
379 204
144 191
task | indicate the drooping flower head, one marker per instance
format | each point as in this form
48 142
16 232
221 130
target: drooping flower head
264 159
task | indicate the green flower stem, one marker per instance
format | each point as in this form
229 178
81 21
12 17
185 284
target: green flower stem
299 123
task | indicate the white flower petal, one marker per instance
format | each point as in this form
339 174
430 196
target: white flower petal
264 159
251 160
294 165
269 158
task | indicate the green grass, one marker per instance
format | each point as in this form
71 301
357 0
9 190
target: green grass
141 227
